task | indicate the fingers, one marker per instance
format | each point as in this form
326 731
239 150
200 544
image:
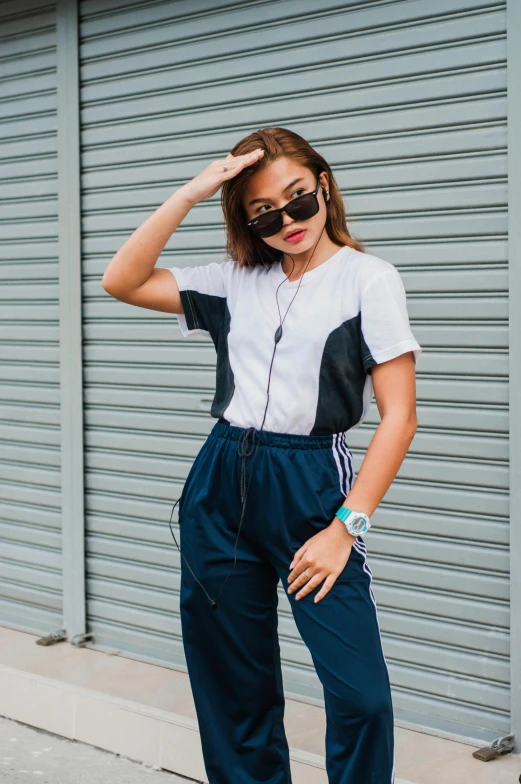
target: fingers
301 575
247 155
309 583
240 161
297 556
328 584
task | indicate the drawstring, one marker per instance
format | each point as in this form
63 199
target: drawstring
244 450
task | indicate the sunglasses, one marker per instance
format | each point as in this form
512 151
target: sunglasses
303 207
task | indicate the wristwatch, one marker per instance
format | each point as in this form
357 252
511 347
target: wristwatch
356 523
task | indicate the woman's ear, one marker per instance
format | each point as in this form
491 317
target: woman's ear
325 190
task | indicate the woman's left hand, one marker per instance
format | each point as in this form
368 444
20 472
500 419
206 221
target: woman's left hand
323 557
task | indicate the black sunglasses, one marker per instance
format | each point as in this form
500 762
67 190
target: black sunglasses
300 209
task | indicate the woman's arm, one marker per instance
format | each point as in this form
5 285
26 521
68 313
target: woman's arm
130 275
325 554
394 384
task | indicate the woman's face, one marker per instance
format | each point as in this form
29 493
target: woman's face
276 185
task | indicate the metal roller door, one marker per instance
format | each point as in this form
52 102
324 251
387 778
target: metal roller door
30 483
407 100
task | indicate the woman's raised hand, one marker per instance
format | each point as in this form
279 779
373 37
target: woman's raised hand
208 182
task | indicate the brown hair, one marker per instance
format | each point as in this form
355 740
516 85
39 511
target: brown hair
242 245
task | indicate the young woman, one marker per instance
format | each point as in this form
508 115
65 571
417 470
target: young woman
306 326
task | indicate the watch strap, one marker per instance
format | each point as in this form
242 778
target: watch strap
343 513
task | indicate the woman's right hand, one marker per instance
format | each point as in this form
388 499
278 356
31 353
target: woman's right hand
131 275
208 182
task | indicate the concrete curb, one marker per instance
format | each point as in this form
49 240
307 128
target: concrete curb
139 732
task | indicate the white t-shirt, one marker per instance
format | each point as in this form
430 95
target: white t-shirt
349 314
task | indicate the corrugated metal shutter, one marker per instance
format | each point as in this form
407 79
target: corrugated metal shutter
30 506
407 101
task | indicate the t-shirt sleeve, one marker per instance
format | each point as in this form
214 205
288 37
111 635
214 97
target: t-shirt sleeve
203 292
386 332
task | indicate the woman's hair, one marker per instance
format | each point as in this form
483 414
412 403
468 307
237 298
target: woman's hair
242 245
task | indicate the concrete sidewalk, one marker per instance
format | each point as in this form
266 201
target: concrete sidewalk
31 756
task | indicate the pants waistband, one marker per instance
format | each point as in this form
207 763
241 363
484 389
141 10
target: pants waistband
223 429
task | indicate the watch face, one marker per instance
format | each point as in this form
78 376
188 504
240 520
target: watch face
358 524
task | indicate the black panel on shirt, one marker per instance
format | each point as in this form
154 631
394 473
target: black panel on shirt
225 382
368 358
210 312
342 379
203 311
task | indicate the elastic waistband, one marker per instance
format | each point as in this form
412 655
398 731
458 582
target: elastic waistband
223 429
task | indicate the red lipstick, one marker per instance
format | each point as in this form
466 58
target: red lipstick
295 235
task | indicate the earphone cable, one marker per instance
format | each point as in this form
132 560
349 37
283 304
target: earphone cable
278 336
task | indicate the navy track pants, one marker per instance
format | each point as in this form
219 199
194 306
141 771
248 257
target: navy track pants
232 652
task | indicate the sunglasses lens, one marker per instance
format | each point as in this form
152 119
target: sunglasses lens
303 207
268 224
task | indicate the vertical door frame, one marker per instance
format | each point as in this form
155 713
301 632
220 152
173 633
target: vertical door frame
514 257
71 359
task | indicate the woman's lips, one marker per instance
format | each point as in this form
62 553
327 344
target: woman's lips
296 236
